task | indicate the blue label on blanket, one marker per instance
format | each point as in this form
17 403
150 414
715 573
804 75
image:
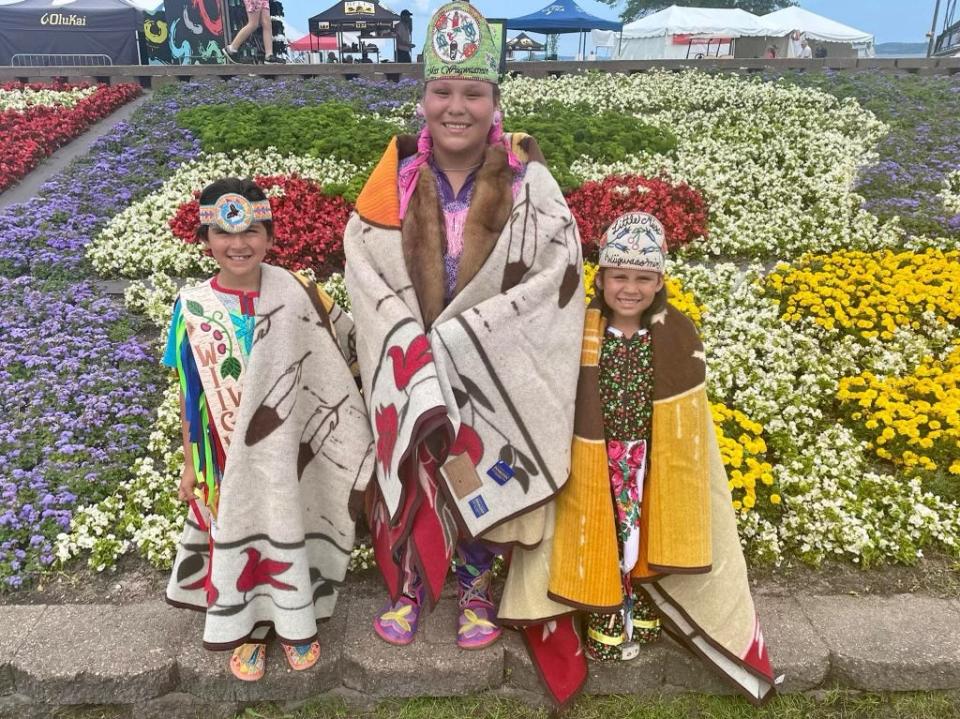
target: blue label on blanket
478 506
501 472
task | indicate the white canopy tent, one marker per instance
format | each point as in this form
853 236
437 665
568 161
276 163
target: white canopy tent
786 27
680 32
690 32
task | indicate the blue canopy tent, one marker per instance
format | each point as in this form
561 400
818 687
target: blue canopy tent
562 17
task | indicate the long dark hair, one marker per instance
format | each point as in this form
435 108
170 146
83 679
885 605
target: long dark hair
241 186
658 305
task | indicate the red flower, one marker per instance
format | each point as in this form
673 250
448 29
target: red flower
468 441
638 453
407 363
679 207
386 421
27 136
260 571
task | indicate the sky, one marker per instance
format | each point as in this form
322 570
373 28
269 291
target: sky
888 20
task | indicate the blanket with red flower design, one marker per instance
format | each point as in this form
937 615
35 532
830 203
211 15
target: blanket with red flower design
295 447
471 403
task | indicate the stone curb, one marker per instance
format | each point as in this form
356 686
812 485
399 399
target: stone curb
147 657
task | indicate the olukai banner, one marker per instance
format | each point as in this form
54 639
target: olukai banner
58 18
74 27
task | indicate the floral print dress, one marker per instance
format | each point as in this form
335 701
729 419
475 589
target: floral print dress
626 397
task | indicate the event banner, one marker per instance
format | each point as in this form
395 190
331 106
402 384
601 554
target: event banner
156 33
194 31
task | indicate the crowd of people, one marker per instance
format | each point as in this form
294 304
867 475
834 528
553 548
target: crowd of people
471 406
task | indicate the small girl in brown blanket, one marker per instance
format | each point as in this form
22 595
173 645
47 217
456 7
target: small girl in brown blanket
630 287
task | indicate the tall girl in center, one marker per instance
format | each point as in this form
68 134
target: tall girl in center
464 267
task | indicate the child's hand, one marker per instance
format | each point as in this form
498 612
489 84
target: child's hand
188 482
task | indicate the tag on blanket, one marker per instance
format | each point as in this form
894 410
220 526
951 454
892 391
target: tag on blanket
462 475
479 506
501 472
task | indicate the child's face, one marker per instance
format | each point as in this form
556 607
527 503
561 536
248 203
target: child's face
239 254
628 293
459 114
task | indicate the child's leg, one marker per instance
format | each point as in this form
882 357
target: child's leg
472 565
253 21
267 25
646 620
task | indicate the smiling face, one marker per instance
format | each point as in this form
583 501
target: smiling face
239 254
628 293
459 114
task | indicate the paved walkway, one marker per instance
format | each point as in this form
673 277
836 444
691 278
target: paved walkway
148 656
29 186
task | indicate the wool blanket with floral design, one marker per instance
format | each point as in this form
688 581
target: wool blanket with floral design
477 393
292 449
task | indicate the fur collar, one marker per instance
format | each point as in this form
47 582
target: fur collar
424 236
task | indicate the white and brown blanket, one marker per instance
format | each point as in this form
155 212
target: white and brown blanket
691 564
489 376
300 444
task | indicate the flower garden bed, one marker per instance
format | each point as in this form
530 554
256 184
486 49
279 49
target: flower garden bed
834 380
37 119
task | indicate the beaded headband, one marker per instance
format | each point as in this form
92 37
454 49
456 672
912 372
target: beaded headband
235 213
636 241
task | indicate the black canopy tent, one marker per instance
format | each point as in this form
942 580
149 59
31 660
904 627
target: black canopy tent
366 17
83 28
524 42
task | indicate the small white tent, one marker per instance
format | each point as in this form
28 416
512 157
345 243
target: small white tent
787 26
680 32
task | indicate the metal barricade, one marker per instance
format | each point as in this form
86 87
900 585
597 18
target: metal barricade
25 59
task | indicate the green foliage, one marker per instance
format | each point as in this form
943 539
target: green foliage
330 129
566 133
638 8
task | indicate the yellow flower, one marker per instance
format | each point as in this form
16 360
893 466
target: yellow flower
871 293
900 406
743 451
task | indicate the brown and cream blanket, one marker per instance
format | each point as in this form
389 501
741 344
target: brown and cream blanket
691 563
484 384
296 443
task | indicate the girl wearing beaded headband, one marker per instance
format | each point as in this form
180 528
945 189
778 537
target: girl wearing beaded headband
275 437
463 265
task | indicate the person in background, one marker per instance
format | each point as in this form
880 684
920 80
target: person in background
404 30
258 15
806 52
